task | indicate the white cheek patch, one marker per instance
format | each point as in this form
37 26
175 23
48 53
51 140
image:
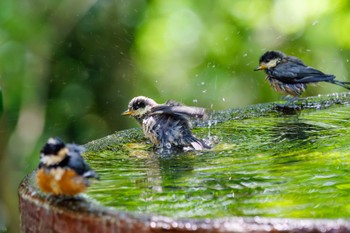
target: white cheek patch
142 111
271 64
53 159
50 159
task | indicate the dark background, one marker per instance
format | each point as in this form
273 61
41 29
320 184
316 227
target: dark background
69 68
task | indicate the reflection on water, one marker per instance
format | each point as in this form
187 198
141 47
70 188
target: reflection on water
293 166
294 131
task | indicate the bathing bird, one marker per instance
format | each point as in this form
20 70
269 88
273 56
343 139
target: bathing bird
62 170
167 125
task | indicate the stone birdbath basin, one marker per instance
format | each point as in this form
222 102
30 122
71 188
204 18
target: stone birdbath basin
272 170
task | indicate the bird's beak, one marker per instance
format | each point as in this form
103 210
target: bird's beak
261 67
127 113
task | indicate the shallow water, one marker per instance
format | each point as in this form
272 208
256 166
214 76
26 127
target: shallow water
274 166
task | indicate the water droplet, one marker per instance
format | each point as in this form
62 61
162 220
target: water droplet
223 99
195 101
174 224
153 224
204 91
188 225
168 145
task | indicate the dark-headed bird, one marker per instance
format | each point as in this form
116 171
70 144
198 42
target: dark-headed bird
167 125
62 169
290 76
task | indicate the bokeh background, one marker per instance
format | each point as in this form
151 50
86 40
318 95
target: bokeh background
69 68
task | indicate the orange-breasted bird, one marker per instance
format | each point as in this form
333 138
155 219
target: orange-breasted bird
289 75
62 170
167 125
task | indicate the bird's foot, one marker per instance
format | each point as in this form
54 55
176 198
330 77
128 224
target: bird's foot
287 108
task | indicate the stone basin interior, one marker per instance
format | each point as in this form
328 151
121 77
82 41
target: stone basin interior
274 165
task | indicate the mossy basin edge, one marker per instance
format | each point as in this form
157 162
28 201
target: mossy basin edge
263 175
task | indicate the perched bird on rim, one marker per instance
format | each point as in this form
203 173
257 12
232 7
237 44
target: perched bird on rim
289 75
167 125
62 169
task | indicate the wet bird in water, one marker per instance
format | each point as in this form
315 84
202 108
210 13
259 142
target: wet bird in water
289 75
62 169
167 125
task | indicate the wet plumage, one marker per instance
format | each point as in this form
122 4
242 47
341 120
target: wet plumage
62 169
167 125
290 76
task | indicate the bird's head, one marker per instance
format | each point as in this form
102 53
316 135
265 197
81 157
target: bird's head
270 59
53 152
139 107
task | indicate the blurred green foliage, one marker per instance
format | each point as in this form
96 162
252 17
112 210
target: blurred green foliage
1 103
69 68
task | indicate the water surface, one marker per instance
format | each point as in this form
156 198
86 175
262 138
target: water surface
274 166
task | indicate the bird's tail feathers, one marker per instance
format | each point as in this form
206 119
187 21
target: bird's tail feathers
341 83
91 174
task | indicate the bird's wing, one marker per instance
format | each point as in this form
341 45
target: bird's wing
291 72
180 111
176 130
173 103
77 162
295 60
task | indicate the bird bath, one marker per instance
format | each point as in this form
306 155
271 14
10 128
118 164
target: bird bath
270 172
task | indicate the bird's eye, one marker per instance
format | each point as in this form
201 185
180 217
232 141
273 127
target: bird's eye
138 105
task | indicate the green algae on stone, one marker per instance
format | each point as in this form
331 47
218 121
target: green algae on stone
268 165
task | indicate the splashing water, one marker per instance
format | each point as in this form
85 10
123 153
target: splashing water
275 166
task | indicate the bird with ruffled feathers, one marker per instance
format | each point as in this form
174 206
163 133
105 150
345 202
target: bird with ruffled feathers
167 125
